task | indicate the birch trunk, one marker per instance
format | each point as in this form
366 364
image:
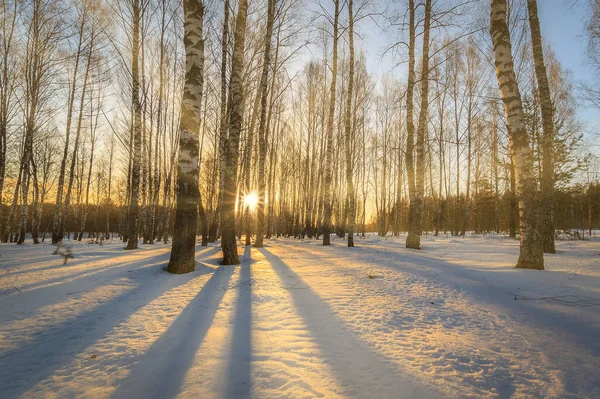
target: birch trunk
90 167
186 213
67 201
223 125
410 125
547 180
57 235
531 254
350 133
132 211
159 123
262 128
327 198
8 85
416 203
36 211
236 116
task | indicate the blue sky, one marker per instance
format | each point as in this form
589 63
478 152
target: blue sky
563 28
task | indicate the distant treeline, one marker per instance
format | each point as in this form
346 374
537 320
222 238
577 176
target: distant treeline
575 208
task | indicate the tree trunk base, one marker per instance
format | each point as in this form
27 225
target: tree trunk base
181 266
530 265
413 241
230 260
531 261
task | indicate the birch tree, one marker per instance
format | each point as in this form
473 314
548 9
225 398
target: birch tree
547 177
43 39
83 14
132 211
531 254
349 132
9 74
417 180
262 128
186 213
327 200
223 121
236 115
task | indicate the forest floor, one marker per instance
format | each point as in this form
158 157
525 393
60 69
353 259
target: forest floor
299 320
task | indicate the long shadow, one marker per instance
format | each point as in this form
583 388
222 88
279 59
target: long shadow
56 293
92 267
16 267
54 347
57 265
205 252
483 291
576 331
359 371
176 349
85 280
238 381
93 270
494 295
95 260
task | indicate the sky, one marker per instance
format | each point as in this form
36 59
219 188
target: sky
563 28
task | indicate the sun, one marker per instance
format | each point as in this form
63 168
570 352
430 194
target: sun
251 200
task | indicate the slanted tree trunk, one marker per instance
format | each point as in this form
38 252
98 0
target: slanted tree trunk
72 177
236 116
547 180
531 254
93 129
349 130
188 195
327 197
262 128
57 235
132 211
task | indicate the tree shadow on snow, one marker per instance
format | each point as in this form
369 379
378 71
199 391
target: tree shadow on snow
161 370
48 295
578 376
357 369
238 379
54 348
92 270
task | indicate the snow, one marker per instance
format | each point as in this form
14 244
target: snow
299 320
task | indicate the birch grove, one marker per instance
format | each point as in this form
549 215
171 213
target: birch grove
231 123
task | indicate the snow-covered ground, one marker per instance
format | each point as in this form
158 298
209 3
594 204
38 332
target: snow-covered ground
299 320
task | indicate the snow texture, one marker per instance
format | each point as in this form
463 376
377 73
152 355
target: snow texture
299 320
